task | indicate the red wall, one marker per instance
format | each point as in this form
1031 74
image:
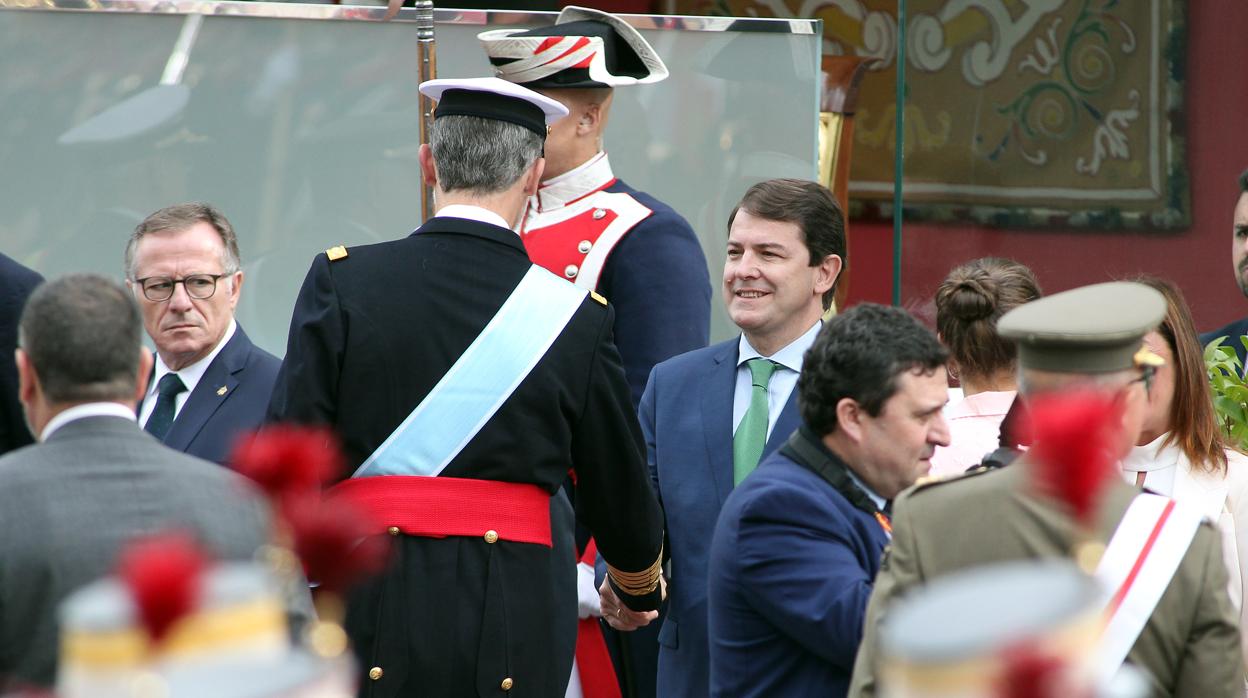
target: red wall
1198 259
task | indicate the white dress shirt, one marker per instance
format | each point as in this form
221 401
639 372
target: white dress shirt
90 409
472 213
782 381
190 376
879 501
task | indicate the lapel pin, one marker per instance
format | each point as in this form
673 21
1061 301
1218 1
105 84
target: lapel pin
221 390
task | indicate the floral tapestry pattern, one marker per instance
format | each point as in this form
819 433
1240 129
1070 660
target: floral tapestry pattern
1017 112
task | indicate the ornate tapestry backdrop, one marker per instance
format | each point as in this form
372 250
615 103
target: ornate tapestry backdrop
1018 112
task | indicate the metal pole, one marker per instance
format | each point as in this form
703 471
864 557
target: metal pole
428 67
899 142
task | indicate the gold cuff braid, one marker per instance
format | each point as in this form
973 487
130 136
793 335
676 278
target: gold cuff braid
638 583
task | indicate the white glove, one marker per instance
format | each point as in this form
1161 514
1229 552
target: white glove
587 605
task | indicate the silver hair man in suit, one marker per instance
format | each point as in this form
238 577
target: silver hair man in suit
94 479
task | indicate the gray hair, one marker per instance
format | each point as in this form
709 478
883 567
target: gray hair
83 334
481 156
179 217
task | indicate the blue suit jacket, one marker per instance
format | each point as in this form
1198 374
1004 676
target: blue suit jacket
211 420
1232 332
791 568
16 284
686 416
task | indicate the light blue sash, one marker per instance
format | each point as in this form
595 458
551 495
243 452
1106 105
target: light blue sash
515 339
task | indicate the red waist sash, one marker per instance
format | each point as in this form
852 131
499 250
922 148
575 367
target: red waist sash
437 507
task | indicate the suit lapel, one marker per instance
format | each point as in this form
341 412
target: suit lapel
718 385
786 424
213 389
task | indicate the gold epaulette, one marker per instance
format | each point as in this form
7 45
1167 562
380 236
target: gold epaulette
929 481
638 583
597 297
336 253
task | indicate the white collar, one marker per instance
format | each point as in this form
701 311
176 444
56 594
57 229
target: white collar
90 409
192 374
790 356
1151 456
879 501
585 179
472 213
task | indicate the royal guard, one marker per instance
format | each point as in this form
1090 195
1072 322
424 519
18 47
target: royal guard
584 223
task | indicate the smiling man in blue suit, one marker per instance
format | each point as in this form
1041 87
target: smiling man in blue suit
709 415
210 383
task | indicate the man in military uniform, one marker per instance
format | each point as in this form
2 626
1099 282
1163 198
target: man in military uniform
1186 641
596 231
584 223
475 380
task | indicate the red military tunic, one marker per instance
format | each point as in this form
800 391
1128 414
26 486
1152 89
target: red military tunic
573 222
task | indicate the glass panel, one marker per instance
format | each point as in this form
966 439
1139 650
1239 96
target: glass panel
304 132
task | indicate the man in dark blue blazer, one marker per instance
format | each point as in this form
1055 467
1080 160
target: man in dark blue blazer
210 384
786 243
16 284
1239 257
798 544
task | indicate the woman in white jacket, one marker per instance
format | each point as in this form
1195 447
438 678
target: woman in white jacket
1181 452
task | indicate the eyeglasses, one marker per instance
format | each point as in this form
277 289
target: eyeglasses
198 286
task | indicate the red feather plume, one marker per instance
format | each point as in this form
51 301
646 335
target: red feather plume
1074 440
335 542
164 574
1030 673
288 461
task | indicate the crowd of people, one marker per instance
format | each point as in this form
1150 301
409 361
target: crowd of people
583 497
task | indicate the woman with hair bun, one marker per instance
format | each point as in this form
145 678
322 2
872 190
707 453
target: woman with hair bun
968 304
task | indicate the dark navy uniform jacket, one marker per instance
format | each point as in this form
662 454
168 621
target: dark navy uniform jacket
792 564
605 236
658 283
371 335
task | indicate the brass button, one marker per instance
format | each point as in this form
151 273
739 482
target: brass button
600 213
507 684
584 246
491 536
393 530
570 271
375 673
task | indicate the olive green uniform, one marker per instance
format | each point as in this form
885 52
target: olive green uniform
1190 645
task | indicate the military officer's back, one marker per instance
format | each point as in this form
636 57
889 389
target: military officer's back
1082 339
465 383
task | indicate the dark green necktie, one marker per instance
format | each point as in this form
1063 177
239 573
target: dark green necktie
162 415
751 436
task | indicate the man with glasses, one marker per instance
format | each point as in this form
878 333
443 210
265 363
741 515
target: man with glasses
1170 615
210 383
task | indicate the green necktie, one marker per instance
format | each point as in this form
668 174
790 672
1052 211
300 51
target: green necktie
751 436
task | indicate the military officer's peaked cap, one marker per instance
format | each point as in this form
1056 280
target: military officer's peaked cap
584 48
491 98
1093 329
